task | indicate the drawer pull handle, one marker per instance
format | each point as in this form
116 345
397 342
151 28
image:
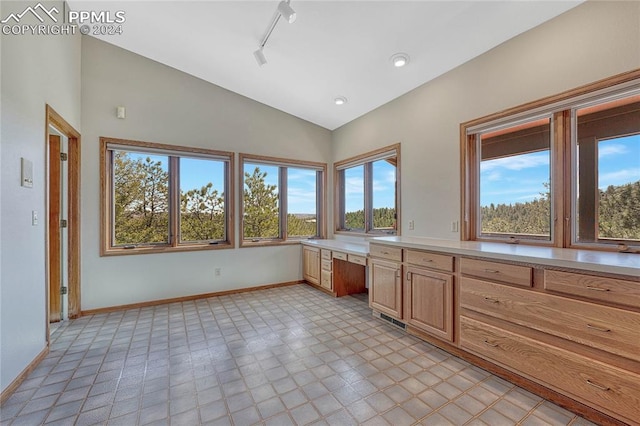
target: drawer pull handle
424 259
385 252
492 271
491 299
590 287
488 343
597 386
593 327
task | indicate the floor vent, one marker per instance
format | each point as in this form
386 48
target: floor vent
392 321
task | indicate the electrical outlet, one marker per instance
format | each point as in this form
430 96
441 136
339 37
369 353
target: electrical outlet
412 225
217 272
454 226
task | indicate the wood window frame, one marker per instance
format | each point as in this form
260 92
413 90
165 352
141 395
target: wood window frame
562 165
358 160
174 153
284 163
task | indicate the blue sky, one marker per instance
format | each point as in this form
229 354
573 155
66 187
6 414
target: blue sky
520 178
384 180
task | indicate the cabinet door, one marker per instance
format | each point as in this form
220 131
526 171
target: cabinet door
385 287
311 265
430 302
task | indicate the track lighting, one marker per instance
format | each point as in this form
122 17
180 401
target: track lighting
284 11
260 58
287 12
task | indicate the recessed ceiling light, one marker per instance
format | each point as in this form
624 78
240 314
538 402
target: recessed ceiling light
340 100
400 60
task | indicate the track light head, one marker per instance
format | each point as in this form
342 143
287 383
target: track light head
260 58
287 12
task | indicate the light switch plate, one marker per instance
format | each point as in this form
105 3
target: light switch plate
26 178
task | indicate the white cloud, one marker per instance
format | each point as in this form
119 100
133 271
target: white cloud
610 149
516 162
619 177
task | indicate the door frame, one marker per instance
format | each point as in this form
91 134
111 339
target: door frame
73 218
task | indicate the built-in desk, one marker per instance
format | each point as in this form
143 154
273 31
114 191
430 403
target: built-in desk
337 267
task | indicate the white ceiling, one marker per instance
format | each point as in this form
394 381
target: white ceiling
334 48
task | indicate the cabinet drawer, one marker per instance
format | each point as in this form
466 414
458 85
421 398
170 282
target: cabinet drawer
386 252
592 287
430 260
339 255
613 390
609 329
326 280
325 254
326 264
494 271
360 260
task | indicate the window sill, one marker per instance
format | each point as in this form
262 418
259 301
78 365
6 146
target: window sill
366 234
268 243
118 251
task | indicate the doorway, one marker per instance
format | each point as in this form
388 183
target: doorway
63 225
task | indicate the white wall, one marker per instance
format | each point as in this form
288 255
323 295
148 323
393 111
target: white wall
36 70
167 106
591 42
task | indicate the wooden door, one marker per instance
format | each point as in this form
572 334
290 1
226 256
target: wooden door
55 236
430 302
311 264
385 287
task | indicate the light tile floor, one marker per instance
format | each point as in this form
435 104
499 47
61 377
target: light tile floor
289 355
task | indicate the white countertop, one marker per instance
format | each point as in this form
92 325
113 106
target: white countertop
360 249
587 260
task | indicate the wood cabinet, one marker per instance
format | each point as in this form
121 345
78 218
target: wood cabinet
385 287
429 301
573 337
311 264
334 271
612 390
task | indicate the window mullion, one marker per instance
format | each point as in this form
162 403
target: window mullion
174 201
282 208
368 197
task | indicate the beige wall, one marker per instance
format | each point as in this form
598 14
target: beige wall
168 106
36 70
591 42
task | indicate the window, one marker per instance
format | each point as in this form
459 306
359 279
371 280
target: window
607 146
563 172
367 195
282 200
160 198
515 174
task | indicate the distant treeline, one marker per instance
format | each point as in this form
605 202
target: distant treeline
618 214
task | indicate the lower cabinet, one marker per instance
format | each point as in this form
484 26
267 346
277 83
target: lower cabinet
311 264
611 390
429 301
385 287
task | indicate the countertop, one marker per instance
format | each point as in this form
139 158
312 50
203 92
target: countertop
360 249
587 260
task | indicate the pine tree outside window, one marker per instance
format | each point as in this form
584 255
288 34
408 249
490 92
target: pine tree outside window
282 200
159 198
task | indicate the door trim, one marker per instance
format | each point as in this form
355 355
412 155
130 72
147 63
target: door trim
54 119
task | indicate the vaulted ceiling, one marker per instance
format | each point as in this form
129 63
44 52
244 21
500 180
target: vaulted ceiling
333 49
